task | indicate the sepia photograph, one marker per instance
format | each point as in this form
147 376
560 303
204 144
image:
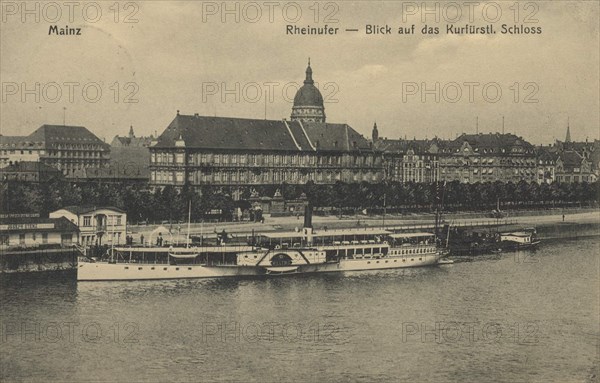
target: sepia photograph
300 191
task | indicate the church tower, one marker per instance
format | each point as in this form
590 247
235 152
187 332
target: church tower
568 138
308 102
375 133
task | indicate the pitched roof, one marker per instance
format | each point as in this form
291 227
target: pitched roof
571 158
326 136
131 141
56 134
87 209
402 146
494 141
251 134
595 158
448 146
30 166
578 146
546 153
19 142
60 224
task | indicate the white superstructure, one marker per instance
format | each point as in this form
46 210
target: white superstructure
272 253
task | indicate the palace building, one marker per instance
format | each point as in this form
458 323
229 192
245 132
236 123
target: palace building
197 150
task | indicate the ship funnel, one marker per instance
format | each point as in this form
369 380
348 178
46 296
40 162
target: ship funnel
308 210
308 230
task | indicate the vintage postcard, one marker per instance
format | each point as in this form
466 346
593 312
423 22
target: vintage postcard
302 191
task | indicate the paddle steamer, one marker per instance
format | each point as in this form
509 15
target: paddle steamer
296 252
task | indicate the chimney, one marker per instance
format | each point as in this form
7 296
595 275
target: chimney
307 229
308 210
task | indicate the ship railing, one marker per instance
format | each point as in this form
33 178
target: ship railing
483 222
160 262
411 245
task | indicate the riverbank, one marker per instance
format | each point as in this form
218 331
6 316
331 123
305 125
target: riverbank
574 224
408 222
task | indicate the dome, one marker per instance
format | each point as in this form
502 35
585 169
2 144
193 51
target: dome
308 102
308 94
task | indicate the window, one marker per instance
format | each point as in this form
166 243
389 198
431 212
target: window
4 239
87 221
21 239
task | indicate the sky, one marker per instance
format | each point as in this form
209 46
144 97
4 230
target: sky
142 64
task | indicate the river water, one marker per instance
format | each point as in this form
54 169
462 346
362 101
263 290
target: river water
514 317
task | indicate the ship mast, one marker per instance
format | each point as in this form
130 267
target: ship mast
187 241
384 209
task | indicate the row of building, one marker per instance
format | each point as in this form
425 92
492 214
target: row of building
73 225
199 150
490 157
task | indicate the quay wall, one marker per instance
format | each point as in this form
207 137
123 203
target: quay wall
568 230
510 214
29 261
18 261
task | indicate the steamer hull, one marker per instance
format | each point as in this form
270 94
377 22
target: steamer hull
369 251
